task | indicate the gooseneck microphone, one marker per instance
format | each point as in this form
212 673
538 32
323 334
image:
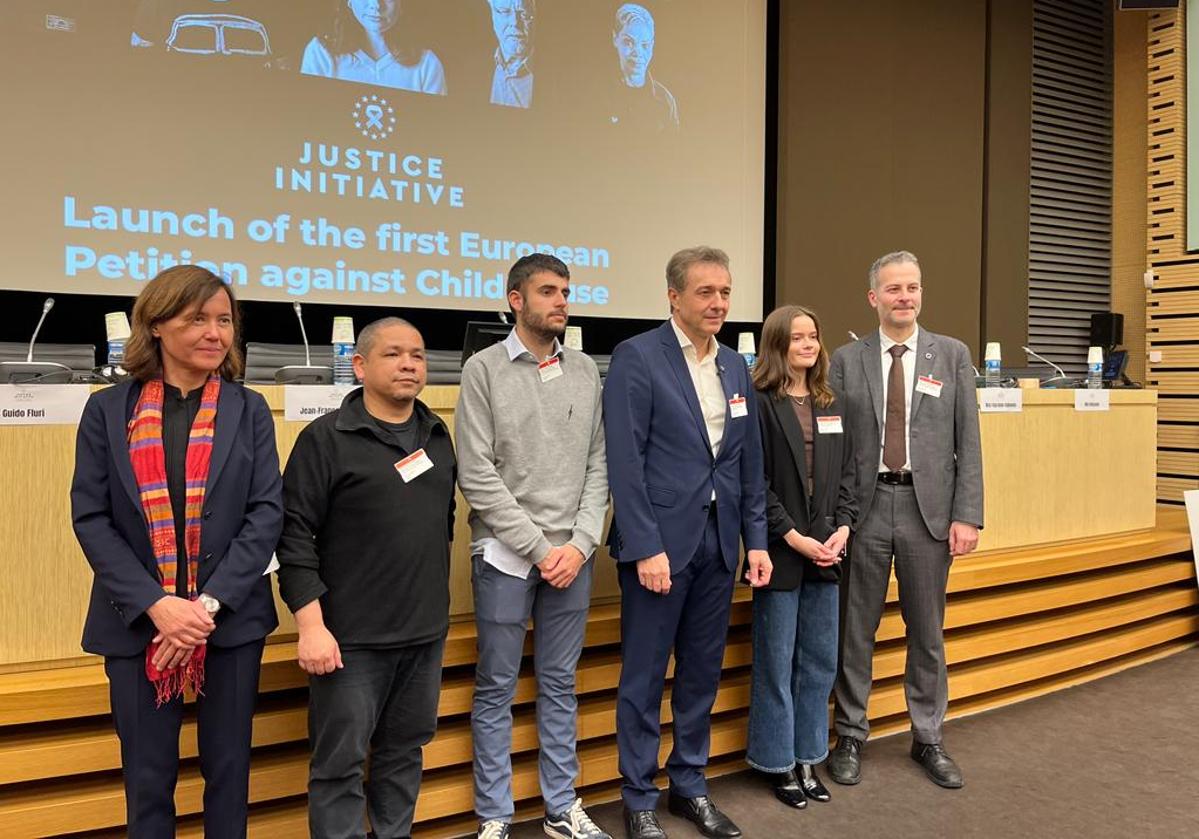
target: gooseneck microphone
46 307
35 372
1061 376
306 373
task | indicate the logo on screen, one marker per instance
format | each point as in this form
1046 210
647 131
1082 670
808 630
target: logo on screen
374 117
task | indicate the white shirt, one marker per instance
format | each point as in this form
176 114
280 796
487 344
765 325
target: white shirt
908 359
708 389
425 76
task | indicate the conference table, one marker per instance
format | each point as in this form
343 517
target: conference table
1074 577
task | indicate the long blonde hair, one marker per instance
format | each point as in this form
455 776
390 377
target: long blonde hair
772 372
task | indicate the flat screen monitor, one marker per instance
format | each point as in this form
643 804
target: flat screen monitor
482 334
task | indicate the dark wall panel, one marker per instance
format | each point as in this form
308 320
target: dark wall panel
881 147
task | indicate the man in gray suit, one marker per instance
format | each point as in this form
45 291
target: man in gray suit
913 416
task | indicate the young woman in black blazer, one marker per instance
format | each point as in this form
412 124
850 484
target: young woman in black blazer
810 511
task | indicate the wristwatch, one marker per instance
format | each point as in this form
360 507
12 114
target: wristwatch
211 604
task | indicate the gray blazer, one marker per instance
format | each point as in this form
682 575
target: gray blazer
946 455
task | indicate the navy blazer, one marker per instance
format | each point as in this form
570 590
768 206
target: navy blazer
242 519
660 465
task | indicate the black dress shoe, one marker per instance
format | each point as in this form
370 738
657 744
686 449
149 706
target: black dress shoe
642 824
787 789
702 813
812 788
845 763
938 765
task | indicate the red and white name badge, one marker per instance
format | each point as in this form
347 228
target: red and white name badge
737 406
929 386
414 465
550 369
829 425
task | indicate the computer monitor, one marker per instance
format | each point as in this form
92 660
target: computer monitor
482 334
1114 365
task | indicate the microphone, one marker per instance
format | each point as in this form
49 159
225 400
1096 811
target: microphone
306 373
854 335
46 307
1061 376
35 372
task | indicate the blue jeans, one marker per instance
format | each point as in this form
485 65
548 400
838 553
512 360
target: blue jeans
503 606
795 664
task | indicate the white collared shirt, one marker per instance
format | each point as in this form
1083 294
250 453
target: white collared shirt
908 359
516 348
706 378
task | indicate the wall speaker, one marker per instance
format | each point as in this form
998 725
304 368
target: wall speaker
1107 329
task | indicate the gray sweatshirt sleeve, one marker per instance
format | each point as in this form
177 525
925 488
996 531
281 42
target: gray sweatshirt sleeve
593 503
478 478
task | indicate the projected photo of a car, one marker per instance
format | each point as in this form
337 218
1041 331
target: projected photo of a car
219 35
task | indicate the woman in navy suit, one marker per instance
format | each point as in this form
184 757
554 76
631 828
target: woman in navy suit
810 509
177 504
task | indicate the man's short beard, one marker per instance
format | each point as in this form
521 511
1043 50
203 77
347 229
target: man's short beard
542 328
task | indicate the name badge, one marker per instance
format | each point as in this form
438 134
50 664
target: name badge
550 370
414 465
929 386
829 425
737 406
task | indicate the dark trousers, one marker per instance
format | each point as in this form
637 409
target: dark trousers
150 741
894 528
693 620
381 706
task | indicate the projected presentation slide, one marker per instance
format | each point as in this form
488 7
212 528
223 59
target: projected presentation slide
383 152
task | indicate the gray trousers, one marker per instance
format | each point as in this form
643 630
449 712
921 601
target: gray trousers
503 606
380 708
893 527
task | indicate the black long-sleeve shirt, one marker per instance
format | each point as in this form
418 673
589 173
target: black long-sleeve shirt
178 414
372 547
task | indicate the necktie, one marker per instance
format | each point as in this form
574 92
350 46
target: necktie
895 447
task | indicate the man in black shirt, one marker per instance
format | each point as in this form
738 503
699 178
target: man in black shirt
364 565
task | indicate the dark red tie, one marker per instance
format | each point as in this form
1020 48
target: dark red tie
895 445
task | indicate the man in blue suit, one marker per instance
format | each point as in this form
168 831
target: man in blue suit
685 469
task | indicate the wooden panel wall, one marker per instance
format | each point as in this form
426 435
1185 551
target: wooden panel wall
1172 313
1129 84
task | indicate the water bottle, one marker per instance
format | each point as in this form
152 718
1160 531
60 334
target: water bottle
745 346
991 365
116 324
1095 368
343 351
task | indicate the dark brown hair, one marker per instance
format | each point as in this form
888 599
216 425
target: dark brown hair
772 373
173 291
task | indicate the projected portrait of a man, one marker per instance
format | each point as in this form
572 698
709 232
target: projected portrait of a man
513 22
639 101
367 42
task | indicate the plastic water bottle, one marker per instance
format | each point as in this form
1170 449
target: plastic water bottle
745 346
116 325
343 351
1095 368
992 365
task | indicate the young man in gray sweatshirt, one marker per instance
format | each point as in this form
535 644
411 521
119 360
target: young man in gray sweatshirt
531 465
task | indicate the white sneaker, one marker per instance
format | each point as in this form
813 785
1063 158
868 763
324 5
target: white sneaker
573 824
494 829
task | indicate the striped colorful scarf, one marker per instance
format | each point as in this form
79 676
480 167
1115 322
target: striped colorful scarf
149 469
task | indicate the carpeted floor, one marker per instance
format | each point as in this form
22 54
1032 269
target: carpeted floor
1118 757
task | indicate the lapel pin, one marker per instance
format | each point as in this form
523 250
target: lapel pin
928 355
